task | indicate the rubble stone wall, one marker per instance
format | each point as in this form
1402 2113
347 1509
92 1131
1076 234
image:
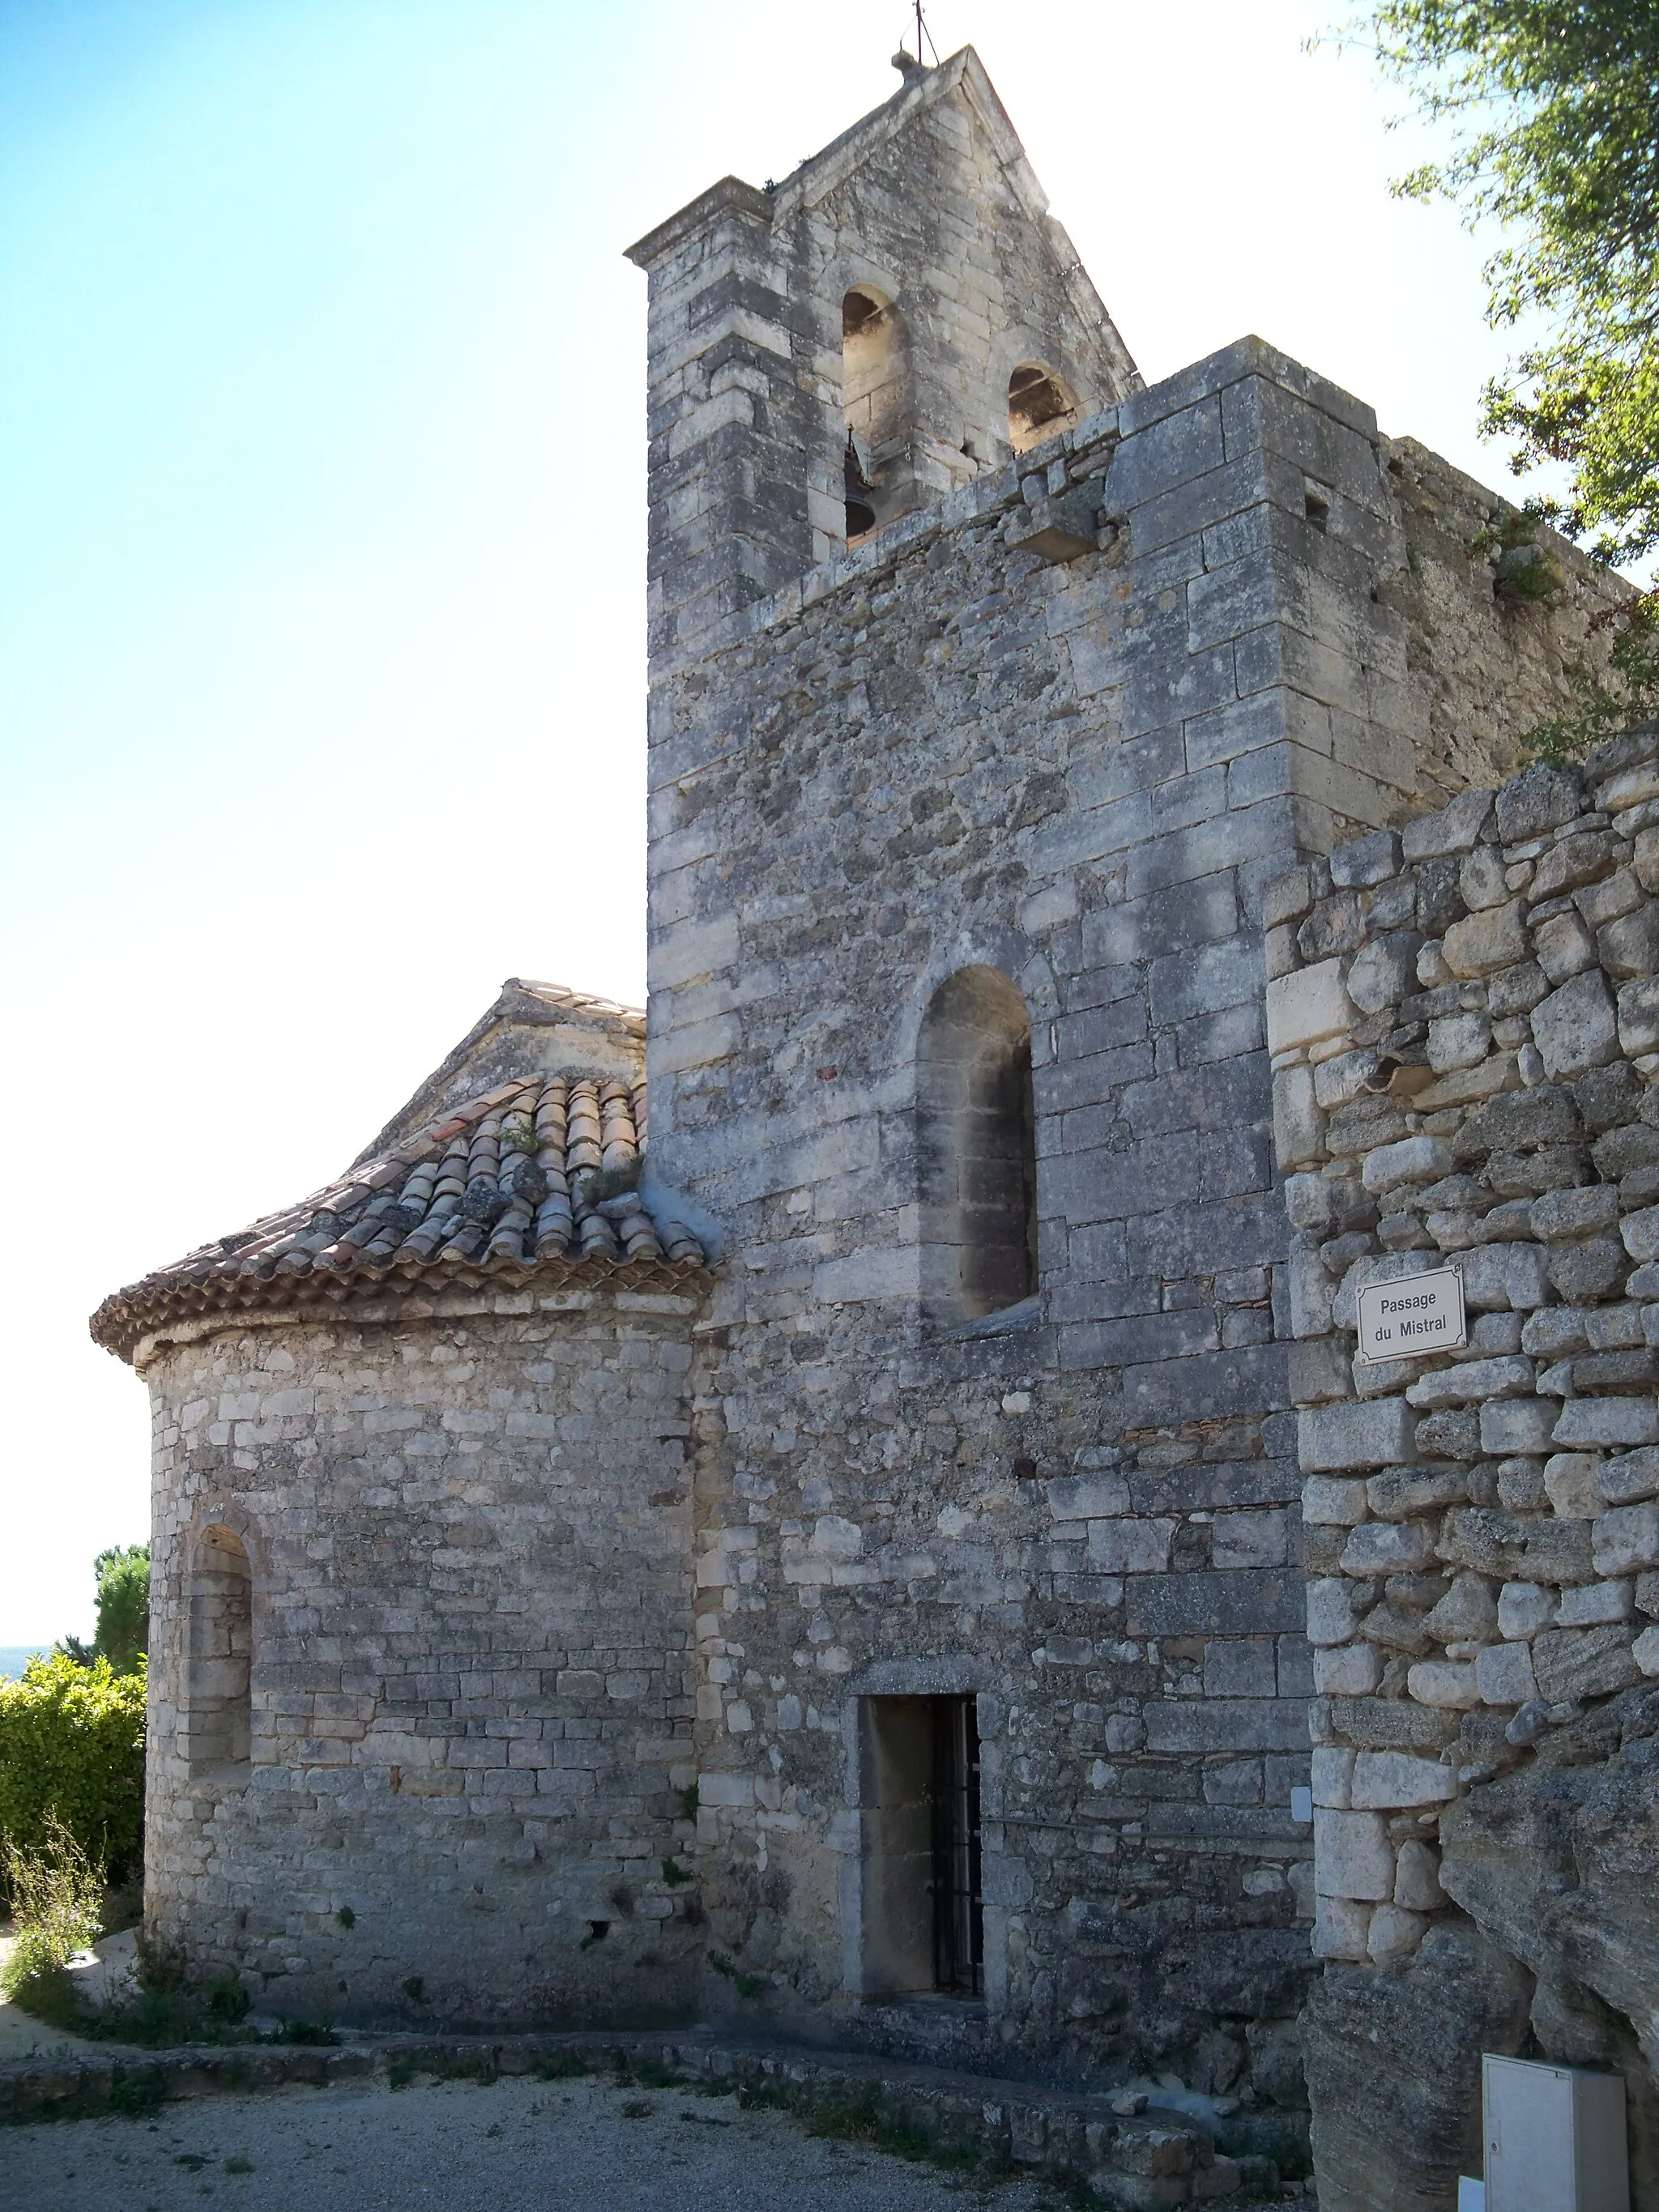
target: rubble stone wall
469 1538
1464 1024
1486 662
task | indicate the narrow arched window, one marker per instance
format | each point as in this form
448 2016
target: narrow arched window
875 373
1040 404
218 1713
976 1147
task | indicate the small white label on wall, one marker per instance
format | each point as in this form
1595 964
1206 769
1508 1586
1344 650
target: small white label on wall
1411 1314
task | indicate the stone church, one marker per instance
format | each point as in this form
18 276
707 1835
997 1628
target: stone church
846 1507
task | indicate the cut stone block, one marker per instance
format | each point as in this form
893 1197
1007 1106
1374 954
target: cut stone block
1330 1610
1388 1547
1458 1041
1607 1421
1570 1483
1298 1118
1638 1008
1332 1776
1365 861
1630 1478
1562 1217
1540 799
1351 1856
1482 943
1331 1439
1506 1278
1469 1380
1454 829
1309 1006
1385 1780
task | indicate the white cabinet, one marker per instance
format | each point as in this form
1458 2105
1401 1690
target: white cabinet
1555 2138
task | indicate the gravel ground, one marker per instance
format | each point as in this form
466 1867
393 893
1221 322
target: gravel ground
514 2146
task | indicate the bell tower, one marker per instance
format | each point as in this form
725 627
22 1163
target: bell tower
838 349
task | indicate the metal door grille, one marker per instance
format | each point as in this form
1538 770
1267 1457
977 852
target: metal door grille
958 1914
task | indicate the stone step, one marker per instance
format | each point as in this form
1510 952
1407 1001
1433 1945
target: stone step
1148 2160
1138 2161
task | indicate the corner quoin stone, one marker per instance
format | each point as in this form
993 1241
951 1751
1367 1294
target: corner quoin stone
1307 1006
1332 1438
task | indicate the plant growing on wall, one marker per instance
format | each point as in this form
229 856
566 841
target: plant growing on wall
1552 104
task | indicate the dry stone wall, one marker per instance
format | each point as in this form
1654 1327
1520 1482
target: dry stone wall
1463 1020
469 1539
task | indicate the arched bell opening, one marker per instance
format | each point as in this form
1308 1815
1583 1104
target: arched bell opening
875 365
1040 404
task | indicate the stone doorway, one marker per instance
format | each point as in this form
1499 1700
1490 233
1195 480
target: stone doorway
923 1916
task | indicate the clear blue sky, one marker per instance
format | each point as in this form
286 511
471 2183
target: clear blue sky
321 538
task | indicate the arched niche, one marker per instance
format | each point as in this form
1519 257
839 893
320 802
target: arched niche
217 1710
1040 404
976 1147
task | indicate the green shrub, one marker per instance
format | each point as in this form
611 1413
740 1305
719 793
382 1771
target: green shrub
72 1744
56 1899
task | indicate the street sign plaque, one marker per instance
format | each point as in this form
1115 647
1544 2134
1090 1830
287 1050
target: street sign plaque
1413 1314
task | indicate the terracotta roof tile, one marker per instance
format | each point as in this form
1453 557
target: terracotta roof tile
536 1177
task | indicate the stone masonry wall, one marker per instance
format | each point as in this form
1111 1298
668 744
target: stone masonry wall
948 752
1486 663
471 1703
1464 1022
946 749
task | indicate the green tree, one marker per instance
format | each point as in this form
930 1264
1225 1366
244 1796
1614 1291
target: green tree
1551 106
122 1635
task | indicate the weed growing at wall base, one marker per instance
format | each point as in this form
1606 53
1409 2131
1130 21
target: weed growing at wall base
56 1895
